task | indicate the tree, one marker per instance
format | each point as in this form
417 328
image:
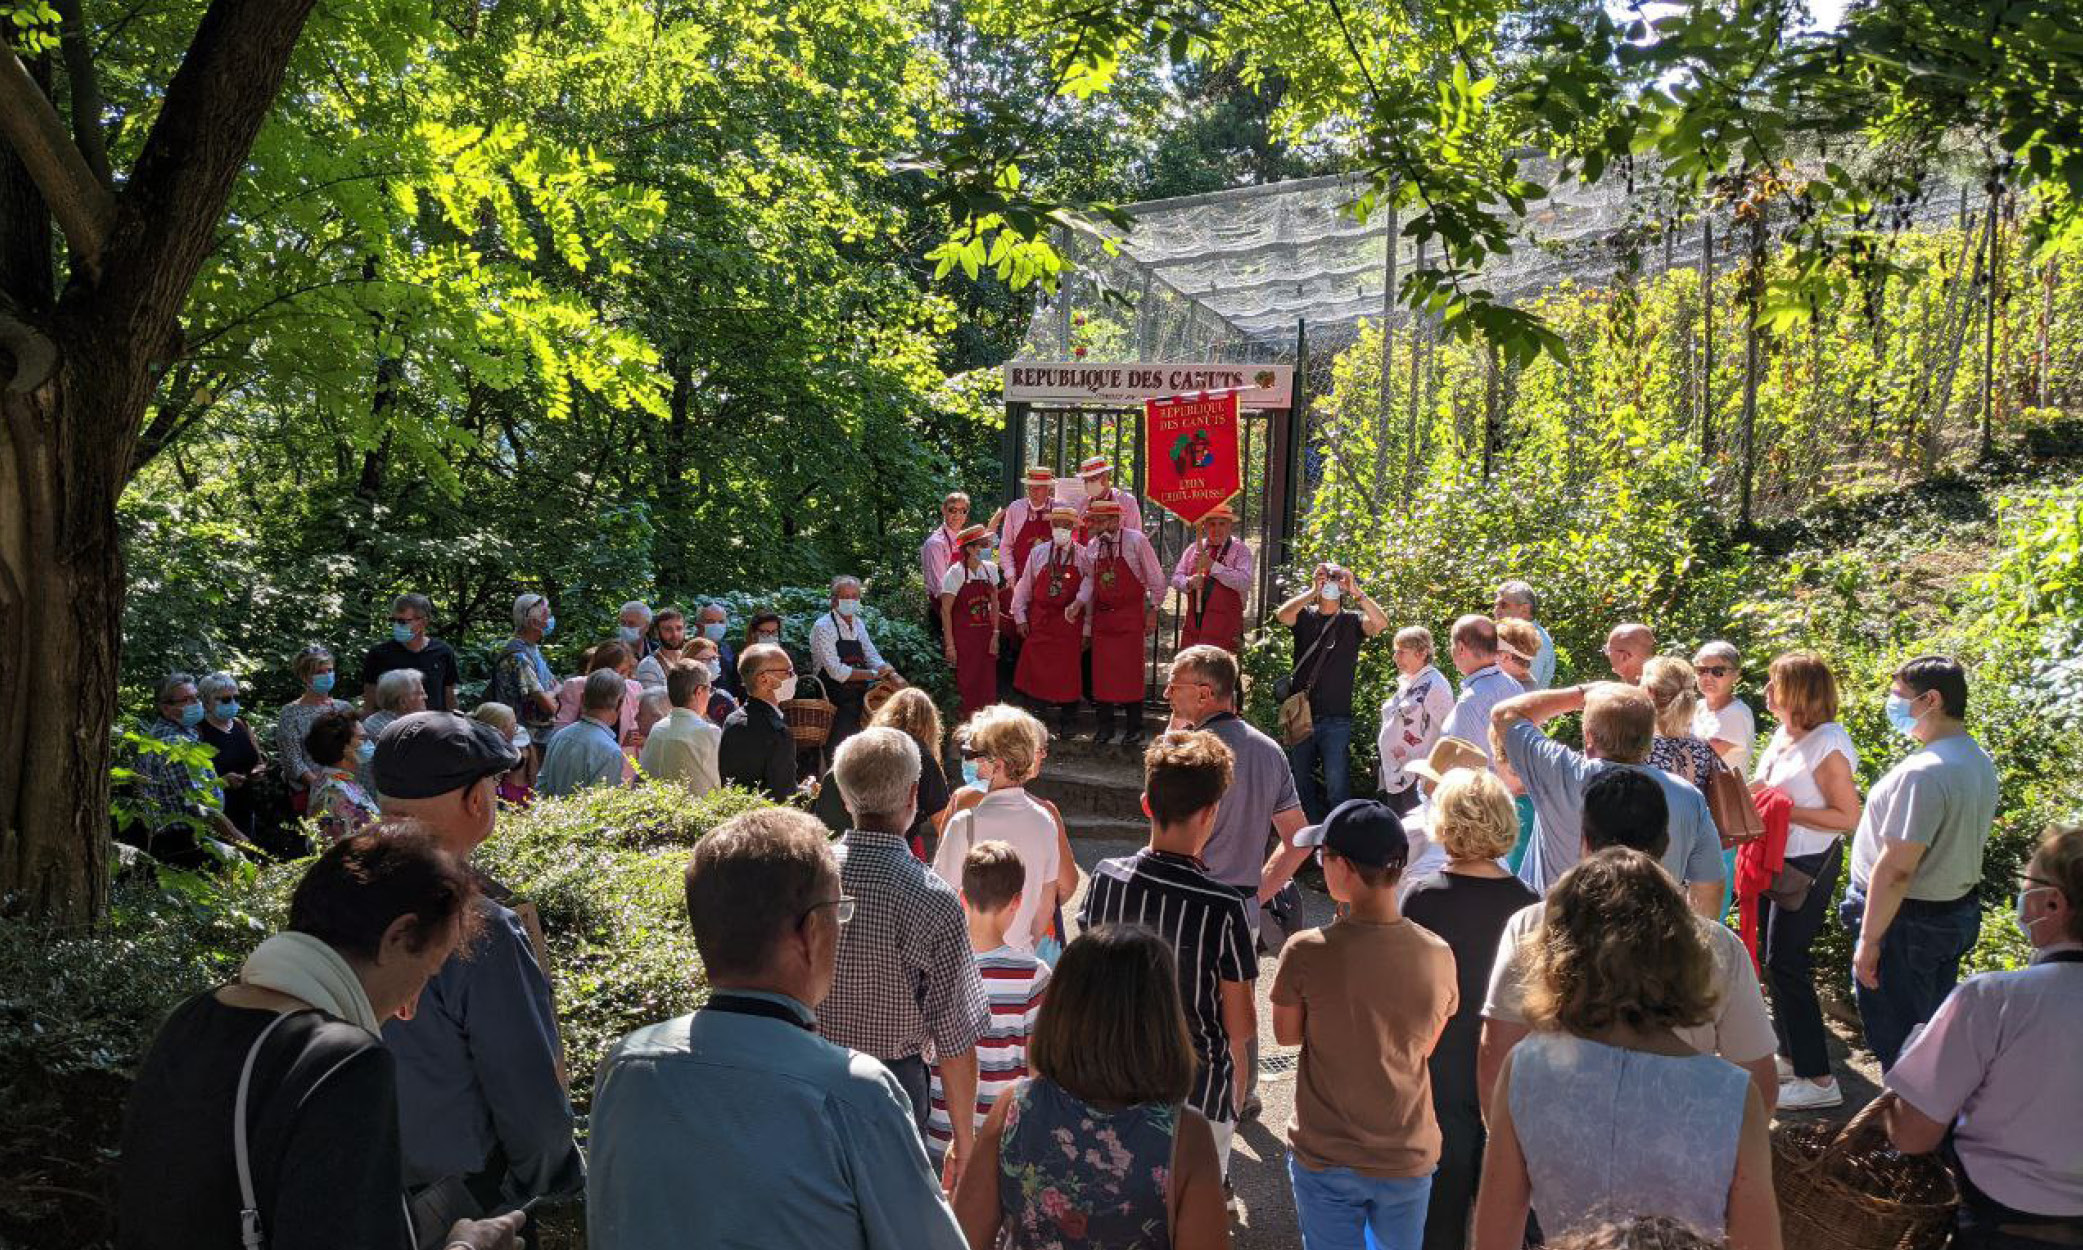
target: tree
81 364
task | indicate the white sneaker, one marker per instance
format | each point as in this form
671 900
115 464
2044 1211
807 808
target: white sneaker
1783 1068
1804 1095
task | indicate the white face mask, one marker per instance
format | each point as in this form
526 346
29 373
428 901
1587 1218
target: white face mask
1061 535
785 691
1333 592
848 607
1094 488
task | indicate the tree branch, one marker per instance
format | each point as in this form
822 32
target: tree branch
30 124
84 90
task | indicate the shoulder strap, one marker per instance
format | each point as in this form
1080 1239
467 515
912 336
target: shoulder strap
1321 634
252 1234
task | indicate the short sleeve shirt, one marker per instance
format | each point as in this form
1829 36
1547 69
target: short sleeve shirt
435 662
1943 796
1262 785
1330 672
1740 1032
1555 777
1790 766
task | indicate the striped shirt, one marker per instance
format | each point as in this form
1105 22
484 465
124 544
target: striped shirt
1206 925
1013 982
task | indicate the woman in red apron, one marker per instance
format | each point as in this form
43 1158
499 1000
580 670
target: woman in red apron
1120 603
1054 645
1214 612
969 608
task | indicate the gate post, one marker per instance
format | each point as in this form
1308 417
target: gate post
1014 450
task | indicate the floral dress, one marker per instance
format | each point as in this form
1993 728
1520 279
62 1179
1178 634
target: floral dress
1074 1177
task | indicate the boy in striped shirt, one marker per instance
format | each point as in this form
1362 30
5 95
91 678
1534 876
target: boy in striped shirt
992 880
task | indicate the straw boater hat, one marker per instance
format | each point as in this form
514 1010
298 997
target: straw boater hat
1220 512
1104 507
1093 466
1447 755
971 534
1041 475
1064 514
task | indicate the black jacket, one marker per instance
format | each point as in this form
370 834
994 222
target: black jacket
757 750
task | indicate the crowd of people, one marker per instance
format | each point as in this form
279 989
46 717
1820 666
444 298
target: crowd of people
1566 988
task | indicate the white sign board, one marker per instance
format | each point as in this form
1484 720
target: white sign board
1260 386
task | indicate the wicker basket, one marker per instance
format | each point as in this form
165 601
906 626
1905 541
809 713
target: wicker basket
1850 1189
810 719
878 694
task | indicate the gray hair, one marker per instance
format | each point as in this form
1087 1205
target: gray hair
1415 636
1720 650
415 603
635 605
164 691
712 606
1519 592
215 684
525 606
843 582
393 687
877 770
603 690
309 661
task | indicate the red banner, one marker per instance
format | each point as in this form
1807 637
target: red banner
1191 464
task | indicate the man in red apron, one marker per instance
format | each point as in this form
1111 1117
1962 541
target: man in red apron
969 616
1052 636
1097 473
1213 577
937 552
1022 526
1123 586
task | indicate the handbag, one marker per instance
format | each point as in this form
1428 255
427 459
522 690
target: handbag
1789 888
252 1231
1296 722
1735 813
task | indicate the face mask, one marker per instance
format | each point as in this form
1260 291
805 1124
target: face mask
2024 925
973 777
321 684
628 633
401 632
1061 534
770 640
191 714
785 691
227 711
549 627
1093 489
715 670
713 631
848 608
366 751
1333 592
1900 715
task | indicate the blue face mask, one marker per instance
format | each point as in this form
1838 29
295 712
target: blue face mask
1900 716
322 684
549 627
972 778
227 711
628 633
366 751
713 631
401 632
192 714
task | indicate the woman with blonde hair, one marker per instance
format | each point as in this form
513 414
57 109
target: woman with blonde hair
1810 759
1466 903
1002 750
1603 1109
1677 748
911 712
314 670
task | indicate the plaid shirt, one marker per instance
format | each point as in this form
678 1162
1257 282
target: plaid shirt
906 976
166 785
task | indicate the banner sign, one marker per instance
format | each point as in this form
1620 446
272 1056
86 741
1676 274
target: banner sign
1191 462
1257 386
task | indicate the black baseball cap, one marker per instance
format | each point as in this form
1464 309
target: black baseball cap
1363 831
430 753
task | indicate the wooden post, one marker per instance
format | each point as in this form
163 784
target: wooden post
1387 395
1990 300
1707 336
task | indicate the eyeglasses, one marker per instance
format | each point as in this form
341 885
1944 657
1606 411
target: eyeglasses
790 671
971 753
842 909
2030 882
404 620
1714 670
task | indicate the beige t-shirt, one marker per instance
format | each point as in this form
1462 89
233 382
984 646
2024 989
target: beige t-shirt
1740 1031
1375 998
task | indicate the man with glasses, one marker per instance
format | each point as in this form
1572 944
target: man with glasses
1628 648
938 552
738 1124
172 791
1515 602
410 646
757 750
906 977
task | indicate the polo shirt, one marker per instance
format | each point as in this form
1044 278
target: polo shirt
1555 776
583 753
1262 785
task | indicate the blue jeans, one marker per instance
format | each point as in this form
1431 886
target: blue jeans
1920 958
1330 741
1338 1209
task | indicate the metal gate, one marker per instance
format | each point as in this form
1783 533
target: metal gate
1061 437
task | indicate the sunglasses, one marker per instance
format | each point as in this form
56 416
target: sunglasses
1714 670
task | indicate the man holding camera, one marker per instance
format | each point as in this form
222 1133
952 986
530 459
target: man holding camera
1328 633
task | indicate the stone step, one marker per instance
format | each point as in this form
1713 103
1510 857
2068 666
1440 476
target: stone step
1107 829
1091 787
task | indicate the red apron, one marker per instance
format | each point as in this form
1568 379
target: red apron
976 669
1118 601
1215 613
1035 531
1049 658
